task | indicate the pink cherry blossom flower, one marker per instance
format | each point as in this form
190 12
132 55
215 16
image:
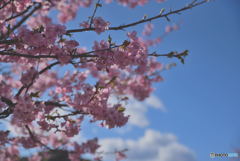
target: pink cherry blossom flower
100 25
148 29
120 156
29 77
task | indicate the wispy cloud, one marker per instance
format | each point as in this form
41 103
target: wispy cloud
153 146
154 102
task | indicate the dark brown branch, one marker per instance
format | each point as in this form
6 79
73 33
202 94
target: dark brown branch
66 115
81 112
48 67
11 105
8 42
9 53
50 103
32 81
20 91
54 56
12 53
42 71
7 101
5 4
9 110
99 88
121 27
6 113
94 12
171 54
39 5
20 14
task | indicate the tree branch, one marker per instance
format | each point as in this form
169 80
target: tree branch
39 5
189 6
8 42
172 54
5 4
54 56
66 115
42 71
11 105
20 14
33 137
94 12
8 53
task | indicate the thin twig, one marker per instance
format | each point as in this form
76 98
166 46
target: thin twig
42 71
20 14
33 137
54 56
121 27
9 42
11 105
170 54
39 5
48 67
5 4
66 115
94 12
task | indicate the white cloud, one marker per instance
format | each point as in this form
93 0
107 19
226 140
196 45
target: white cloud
137 110
155 102
14 130
153 146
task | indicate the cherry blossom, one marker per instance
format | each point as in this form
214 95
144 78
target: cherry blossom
100 24
54 83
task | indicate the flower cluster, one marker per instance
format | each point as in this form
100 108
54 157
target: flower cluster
88 147
99 24
3 137
148 29
53 83
9 153
29 77
25 111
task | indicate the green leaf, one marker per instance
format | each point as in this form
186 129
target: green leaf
121 109
109 39
161 11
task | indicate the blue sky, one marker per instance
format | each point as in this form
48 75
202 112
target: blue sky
195 110
201 97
